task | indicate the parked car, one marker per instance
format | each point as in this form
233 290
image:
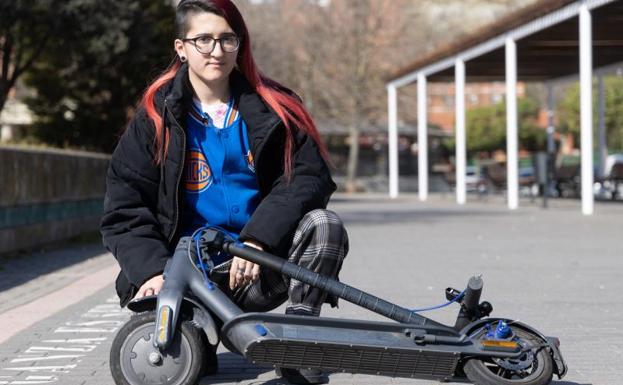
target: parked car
474 181
528 184
611 185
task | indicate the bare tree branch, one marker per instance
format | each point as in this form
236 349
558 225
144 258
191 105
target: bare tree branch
36 52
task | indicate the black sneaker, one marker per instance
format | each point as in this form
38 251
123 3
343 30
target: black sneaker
302 376
210 366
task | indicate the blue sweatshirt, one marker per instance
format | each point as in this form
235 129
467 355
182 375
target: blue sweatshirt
219 183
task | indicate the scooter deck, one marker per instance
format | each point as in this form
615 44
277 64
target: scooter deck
354 358
341 345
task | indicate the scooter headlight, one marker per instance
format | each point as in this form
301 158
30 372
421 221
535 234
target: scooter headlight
164 317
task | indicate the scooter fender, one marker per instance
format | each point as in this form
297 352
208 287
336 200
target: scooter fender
560 367
201 315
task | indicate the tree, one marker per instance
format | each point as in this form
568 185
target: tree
569 112
486 127
361 40
338 54
90 76
26 27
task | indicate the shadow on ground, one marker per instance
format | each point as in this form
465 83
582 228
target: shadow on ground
234 368
361 217
18 269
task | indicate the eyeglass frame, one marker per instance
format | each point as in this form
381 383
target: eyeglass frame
215 40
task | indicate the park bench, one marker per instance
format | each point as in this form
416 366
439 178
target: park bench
567 181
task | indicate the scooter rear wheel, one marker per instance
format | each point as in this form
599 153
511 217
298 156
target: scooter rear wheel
135 361
532 368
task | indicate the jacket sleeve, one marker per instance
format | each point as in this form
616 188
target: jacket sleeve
129 227
275 220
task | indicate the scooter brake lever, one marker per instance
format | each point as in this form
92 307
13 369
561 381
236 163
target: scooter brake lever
452 294
212 240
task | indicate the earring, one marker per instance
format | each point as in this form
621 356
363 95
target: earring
183 59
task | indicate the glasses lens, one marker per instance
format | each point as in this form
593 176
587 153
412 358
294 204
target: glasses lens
204 44
230 43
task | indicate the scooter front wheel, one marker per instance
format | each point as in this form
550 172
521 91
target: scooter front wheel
533 367
135 361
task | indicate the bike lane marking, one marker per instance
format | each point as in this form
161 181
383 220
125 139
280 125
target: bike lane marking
60 347
63 349
22 317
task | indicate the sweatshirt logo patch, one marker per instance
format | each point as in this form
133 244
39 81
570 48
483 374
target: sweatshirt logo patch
197 175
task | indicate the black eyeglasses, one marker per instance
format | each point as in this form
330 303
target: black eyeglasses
205 44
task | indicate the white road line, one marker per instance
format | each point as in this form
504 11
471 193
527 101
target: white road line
96 340
46 358
22 317
58 349
56 368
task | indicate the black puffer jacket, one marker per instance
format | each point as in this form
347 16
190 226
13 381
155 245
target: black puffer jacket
143 201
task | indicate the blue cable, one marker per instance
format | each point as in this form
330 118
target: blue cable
195 237
440 306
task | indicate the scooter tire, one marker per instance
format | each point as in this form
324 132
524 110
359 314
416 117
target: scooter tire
481 372
183 363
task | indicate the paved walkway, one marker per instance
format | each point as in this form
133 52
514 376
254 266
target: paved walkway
554 269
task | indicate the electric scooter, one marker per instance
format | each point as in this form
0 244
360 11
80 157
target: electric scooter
172 338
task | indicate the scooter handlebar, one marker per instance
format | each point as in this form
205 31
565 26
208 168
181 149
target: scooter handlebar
332 286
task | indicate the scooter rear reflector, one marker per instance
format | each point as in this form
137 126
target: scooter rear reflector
509 346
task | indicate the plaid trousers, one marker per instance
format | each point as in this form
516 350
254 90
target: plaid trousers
320 244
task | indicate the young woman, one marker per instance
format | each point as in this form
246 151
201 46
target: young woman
216 143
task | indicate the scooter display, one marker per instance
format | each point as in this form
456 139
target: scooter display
171 339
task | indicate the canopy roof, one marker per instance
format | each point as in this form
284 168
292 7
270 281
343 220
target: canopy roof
547 36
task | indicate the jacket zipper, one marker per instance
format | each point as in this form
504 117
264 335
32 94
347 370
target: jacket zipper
257 162
179 173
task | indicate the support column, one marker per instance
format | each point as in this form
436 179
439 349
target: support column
459 94
392 140
422 137
511 124
601 126
586 108
551 146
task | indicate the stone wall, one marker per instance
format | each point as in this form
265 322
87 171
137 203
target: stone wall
48 195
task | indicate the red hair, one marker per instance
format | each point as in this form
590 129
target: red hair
288 107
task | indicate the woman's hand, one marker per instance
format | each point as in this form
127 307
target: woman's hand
151 287
243 272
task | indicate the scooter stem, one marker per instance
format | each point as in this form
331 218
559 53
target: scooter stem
332 286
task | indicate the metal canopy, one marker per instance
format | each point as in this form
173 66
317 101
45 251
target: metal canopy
550 52
552 39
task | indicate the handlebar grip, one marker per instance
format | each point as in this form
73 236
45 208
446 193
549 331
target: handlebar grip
469 306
